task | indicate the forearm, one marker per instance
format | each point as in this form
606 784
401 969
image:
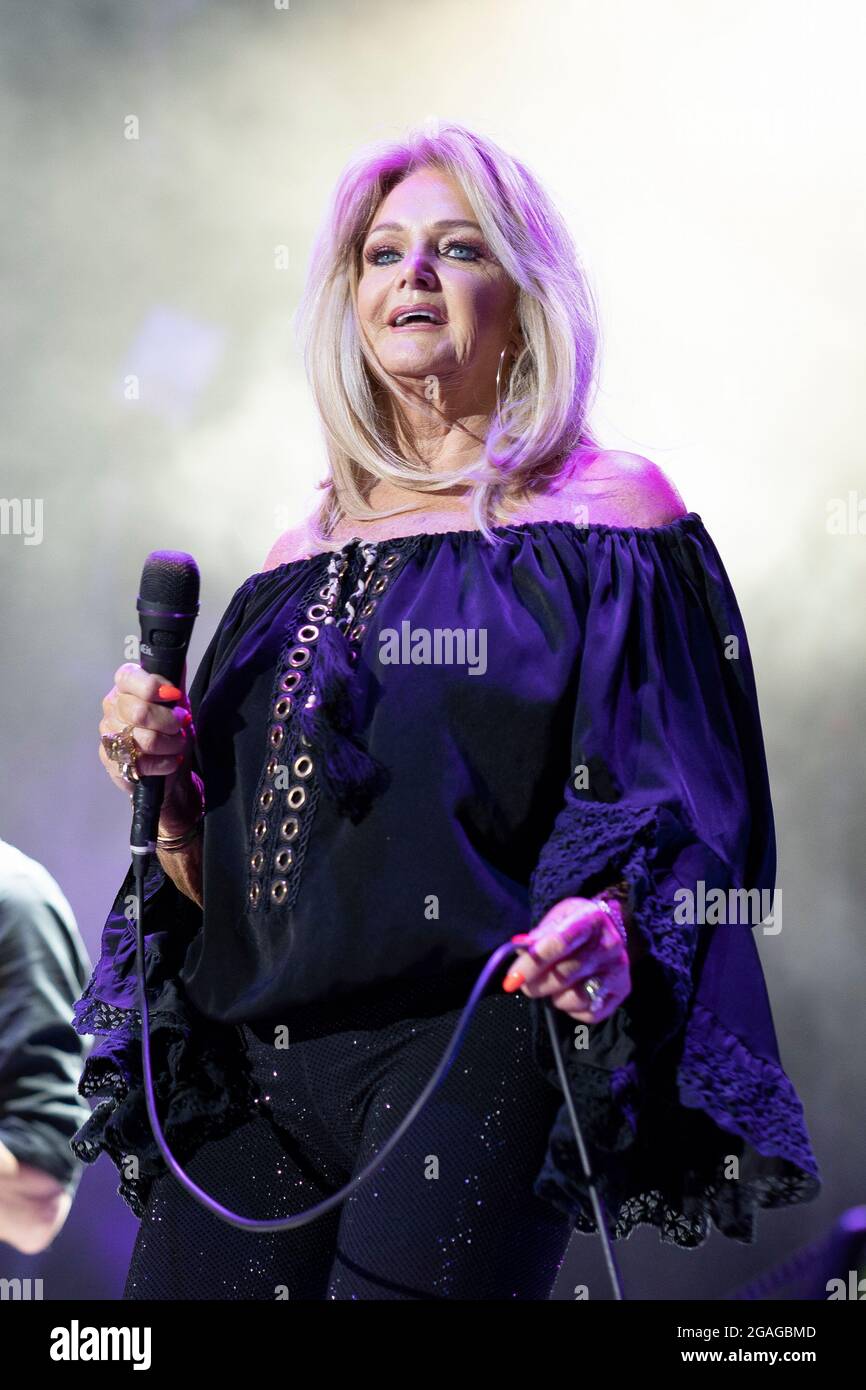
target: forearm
183 866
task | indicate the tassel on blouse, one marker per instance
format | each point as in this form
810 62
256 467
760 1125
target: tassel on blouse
351 776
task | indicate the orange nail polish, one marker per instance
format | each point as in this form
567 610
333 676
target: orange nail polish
513 980
169 692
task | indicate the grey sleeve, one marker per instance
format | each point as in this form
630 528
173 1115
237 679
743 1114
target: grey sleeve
44 967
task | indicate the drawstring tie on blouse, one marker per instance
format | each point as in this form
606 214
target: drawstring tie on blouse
351 776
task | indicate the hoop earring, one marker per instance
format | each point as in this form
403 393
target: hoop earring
498 376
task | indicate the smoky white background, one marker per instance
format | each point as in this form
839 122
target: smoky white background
165 168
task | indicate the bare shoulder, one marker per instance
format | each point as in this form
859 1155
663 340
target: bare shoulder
294 544
617 488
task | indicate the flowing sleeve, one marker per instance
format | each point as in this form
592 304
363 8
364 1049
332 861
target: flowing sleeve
202 1083
681 1093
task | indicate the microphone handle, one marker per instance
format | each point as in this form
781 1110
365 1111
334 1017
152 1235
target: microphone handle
147 797
166 659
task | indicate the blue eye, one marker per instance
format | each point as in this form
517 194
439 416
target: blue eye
374 256
463 246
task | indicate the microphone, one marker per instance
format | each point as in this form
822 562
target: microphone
167 608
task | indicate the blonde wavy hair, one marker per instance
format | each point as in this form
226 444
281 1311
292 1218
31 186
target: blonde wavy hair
546 396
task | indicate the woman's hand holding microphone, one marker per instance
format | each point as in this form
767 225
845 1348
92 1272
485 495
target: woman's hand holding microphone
156 717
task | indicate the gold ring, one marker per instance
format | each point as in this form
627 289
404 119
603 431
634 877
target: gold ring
122 749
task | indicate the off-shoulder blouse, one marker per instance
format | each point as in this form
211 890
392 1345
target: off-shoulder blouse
483 731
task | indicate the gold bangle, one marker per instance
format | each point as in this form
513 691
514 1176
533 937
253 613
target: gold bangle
171 843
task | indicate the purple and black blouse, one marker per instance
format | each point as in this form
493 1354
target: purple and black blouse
490 728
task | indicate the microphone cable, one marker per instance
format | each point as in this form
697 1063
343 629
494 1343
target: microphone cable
288 1223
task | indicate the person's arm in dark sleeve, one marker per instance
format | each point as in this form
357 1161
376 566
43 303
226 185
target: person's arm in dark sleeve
43 967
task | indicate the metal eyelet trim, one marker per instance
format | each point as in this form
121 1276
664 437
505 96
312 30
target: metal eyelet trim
279 890
272 871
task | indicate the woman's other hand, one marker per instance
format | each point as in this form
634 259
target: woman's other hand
574 941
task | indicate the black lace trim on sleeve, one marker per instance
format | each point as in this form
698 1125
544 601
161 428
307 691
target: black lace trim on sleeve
666 1095
663 1138
202 1078
203 1086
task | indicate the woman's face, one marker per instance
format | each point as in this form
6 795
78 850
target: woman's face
432 252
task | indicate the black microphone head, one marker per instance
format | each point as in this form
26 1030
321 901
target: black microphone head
170 580
167 607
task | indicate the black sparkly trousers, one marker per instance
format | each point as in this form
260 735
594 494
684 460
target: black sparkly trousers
451 1214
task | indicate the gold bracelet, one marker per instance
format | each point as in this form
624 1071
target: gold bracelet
171 843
